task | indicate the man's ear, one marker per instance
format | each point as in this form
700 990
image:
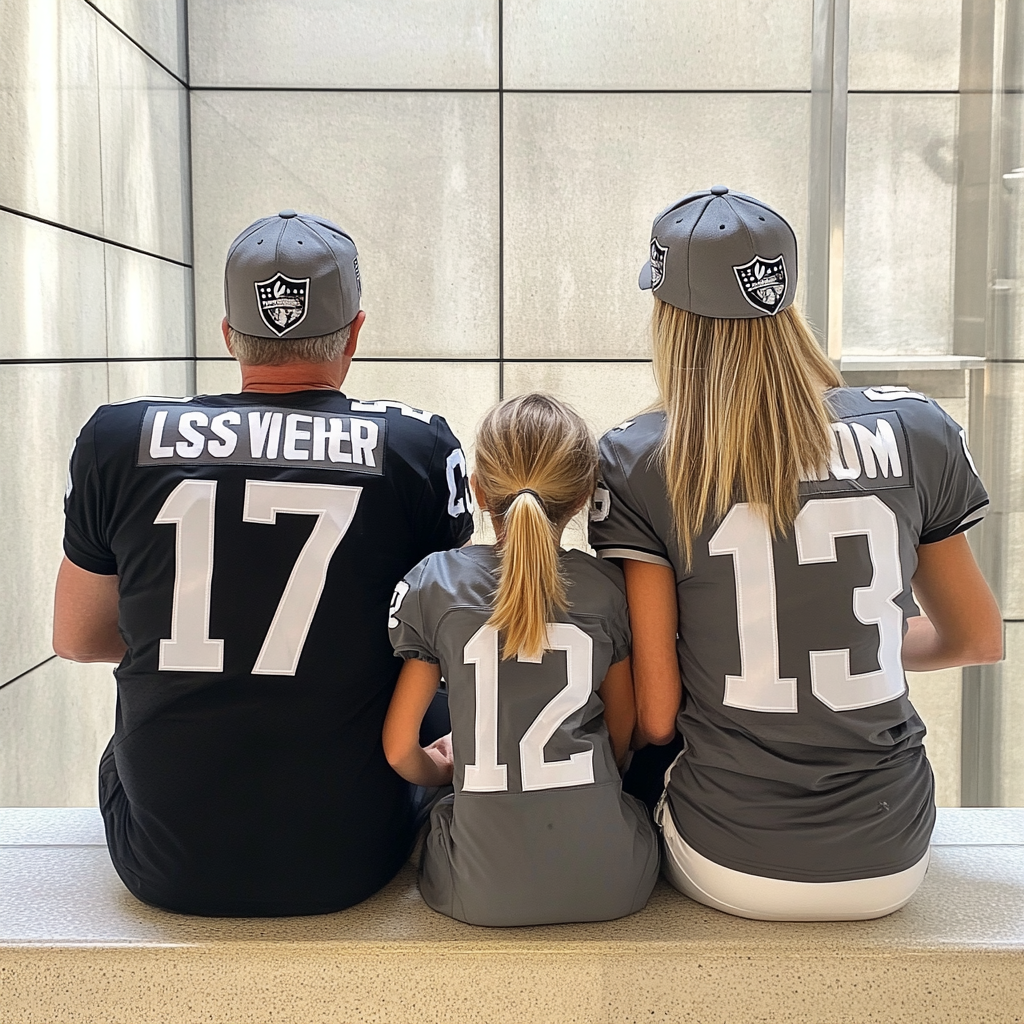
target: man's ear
353 333
224 331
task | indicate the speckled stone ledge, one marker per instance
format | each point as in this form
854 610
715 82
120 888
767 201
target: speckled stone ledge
75 946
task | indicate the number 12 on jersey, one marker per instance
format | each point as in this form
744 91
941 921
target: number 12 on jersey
190 508
745 536
485 774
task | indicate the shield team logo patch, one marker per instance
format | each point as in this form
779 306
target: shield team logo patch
763 283
282 302
658 254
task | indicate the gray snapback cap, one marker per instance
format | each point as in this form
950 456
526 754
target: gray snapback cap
292 275
722 254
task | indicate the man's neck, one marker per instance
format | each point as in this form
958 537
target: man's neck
292 377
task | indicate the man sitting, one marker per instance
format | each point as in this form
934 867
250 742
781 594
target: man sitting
236 554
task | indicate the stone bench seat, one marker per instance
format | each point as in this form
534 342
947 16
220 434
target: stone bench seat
75 946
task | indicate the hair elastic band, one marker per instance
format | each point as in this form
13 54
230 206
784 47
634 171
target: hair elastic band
540 500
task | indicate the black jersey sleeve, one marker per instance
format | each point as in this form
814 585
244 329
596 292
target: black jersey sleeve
85 536
445 512
957 500
406 626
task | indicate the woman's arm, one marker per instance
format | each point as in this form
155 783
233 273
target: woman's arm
961 624
431 766
653 618
619 707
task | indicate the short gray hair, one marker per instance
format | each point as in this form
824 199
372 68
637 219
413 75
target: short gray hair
255 351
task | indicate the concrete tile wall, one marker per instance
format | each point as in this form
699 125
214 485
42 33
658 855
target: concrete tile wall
904 75
54 724
344 44
1011 714
95 259
413 176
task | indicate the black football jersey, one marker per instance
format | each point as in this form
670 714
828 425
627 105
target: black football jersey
258 539
804 756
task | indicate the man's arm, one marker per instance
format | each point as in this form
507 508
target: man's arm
653 617
85 616
961 624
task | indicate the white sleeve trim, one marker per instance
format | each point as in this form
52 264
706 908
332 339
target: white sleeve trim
634 555
974 517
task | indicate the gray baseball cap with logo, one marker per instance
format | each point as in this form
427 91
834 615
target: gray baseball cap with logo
292 275
722 254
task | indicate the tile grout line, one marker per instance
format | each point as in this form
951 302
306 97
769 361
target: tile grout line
191 369
89 234
28 671
110 21
560 92
473 360
53 846
501 200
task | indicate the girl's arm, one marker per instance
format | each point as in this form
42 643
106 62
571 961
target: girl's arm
417 684
619 707
653 618
961 624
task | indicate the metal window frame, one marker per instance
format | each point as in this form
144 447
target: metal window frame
823 267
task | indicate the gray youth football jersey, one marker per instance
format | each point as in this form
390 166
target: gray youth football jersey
538 830
804 756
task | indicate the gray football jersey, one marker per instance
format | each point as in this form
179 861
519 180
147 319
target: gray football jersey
538 830
804 756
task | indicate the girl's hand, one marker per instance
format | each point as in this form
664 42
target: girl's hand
440 752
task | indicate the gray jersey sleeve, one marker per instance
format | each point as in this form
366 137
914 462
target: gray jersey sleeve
617 622
953 499
410 635
620 524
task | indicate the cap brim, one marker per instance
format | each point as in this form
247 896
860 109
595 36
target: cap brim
645 277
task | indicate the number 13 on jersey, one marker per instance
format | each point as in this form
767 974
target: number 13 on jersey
745 536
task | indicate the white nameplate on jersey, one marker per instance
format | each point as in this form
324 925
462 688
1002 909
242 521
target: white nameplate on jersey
868 453
192 435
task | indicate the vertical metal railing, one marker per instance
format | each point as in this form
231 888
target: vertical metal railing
977 229
823 267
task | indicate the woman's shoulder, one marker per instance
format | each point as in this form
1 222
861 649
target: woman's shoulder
629 448
915 408
636 434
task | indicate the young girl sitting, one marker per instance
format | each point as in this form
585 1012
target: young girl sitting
534 644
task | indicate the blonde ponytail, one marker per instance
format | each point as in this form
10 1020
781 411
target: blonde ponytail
745 414
536 464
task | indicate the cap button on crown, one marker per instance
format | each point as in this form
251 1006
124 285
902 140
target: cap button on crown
287 214
716 190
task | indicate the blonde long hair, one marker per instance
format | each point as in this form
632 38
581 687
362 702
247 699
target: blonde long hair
536 464
746 416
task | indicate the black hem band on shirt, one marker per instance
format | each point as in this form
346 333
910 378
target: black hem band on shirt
93 565
964 523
